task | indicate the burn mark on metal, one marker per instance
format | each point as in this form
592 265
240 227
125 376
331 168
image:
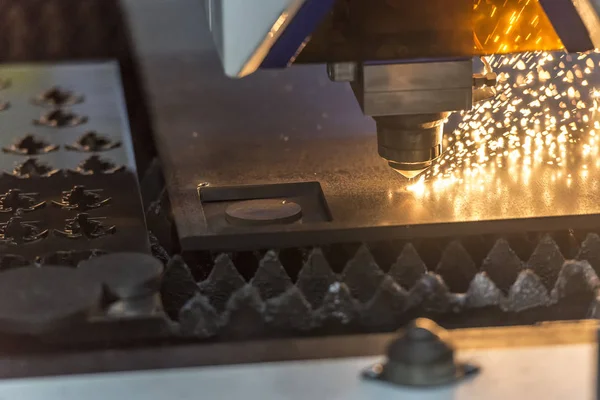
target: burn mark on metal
92 142
32 168
84 226
60 118
96 165
57 97
82 199
19 232
30 146
16 201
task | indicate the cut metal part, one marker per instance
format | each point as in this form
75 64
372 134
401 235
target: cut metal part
263 212
92 142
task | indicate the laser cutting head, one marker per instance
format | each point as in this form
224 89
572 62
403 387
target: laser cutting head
408 62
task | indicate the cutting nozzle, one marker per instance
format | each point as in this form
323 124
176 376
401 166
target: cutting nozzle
410 143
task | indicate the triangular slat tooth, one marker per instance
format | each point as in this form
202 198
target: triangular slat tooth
575 277
338 306
483 292
244 314
408 268
594 310
456 268
314 278
289 312
527 292
270 279
430 293
386 308
546 261
199 318
362 275
223 281
502 265
590 251
177 287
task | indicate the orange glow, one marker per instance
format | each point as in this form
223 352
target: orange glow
510 26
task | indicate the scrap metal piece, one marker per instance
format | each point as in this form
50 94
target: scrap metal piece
57 97
270 278
315 278
30 146
84 226
56 298
16 201
223 281
93 142
362 275
421 356
126 275
60 118
408 268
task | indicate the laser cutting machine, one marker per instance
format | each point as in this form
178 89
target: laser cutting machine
409 65
219 192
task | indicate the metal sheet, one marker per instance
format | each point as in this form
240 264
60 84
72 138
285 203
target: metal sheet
524 373
295 125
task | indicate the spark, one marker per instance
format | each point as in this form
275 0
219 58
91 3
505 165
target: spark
532 124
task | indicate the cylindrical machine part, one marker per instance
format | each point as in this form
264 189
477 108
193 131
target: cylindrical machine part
410 143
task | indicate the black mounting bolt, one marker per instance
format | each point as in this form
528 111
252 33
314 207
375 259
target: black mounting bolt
421 356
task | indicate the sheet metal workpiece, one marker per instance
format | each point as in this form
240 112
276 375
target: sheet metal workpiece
68 184
297 126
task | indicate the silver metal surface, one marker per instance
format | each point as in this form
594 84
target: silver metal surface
415 88
551 372
577 22
296 125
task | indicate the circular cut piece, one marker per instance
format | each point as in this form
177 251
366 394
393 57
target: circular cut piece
263 212
126 275
39 300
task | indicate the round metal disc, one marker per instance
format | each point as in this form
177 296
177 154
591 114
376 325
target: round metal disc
38 300
263 212
127 275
